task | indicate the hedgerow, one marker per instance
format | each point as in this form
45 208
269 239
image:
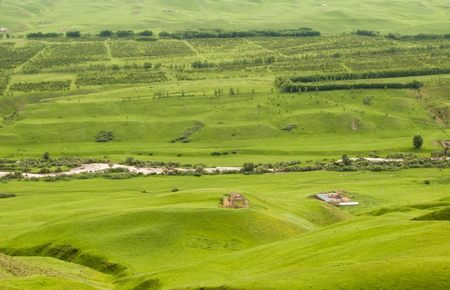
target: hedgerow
218 33
366 75
41 86
291 87
4 80
119 77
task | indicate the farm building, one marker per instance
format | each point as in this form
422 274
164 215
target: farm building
336 198
234 200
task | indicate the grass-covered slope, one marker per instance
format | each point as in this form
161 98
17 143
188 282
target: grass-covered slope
376 252
247 127
222 96
48 273
328 16
176 240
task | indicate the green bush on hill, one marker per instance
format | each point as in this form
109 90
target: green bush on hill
7 195
104 136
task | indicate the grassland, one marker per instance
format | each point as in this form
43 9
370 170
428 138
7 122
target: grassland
331 16
187 100
59 95
283 241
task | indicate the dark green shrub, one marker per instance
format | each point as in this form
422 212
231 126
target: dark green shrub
7 195
73 34
104 136
417 141
146 33
106 33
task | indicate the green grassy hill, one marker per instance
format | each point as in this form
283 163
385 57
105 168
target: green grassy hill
230 106
49 273
225 102
250 126
285 240
331 16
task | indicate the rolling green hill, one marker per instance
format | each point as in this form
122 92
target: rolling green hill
285 240
332 16
145 126
59 95
286 105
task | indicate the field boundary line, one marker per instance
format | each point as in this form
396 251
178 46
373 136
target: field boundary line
108 51
19 68
279 53
191 47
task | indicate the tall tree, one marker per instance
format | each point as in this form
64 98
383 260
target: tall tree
417 141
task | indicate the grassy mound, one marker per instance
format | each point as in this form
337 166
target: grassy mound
183 240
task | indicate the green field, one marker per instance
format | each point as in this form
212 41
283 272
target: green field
331 16
291 106
285 240
59 95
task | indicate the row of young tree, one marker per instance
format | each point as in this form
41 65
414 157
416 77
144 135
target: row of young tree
4 79
420 36
41 86
118 77
198 64
103 33
68 34
396 36
290 87
218 33
366 75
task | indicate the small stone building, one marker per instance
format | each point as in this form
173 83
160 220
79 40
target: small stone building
234 200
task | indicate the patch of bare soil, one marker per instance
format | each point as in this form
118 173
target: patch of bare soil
11 266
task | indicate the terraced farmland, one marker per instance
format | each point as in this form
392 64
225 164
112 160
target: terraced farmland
116 152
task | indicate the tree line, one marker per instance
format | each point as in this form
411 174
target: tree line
366 75
420 36
218 33
41 86
397 36
4 80
103 33
291 87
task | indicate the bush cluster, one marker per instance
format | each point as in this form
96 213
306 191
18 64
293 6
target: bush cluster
104 137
